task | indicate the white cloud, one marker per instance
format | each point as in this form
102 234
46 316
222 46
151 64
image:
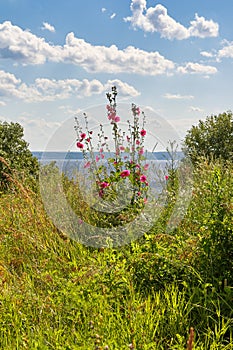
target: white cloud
156 19
197 68
206 54
178 96
196 109
49 27
226 51
26 48
203 28
113 16
103 9
45 89
2 103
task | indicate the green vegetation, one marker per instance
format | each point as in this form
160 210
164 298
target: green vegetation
212 138
16 155
58 294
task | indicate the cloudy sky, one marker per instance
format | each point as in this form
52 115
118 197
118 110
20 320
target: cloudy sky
58 57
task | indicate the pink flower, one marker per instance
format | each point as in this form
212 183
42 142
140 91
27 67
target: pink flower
143 132
138 111
143 178
87 165
117 119
128 138
141 151
83 135
137 142
122 148
101 150
79 145
146 167
166 177
102 156
145 200
104 184
88 139
125 173
139 193
97 158
137 166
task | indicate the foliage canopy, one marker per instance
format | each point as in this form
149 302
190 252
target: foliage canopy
14 153
212 138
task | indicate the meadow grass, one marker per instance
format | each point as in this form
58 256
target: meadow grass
58 294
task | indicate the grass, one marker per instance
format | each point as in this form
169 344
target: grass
58 294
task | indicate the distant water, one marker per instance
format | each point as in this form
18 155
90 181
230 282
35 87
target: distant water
58 156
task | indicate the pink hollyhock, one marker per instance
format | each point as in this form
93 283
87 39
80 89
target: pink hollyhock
138 111
97 158
166 177
143 178
128 138
125 173
137 142
104 184
102 156
79 145
88 139
101 150
146 167
117 119
83 135
145 200
141 151
122 148
87 165
143 132
139 193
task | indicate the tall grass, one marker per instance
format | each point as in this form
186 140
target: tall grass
57 294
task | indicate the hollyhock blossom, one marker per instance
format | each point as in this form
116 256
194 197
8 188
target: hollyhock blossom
117 119
141 151
166 177
122 148
79 145
87 165
97 158
83 135
125 173
143 132
137 142
143 178
104 184
146 167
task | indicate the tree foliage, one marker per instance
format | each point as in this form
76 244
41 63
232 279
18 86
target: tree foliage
15 155
212 138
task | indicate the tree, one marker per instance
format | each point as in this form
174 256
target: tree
212 138
14 154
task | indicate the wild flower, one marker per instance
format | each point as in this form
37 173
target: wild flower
128 154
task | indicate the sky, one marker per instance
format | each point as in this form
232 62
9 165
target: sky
58 58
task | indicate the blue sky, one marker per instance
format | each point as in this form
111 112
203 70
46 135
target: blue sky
59 57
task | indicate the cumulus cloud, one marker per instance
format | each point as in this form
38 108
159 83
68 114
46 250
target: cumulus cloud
226 51
26 48
157 19
197 68
103 9
178 96
49 27
50 89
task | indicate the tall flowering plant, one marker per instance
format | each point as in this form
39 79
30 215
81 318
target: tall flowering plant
127 162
